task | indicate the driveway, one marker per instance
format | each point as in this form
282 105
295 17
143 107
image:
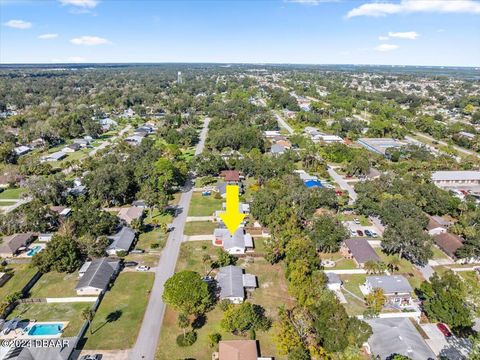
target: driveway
283 123
452 348
147 340
343 184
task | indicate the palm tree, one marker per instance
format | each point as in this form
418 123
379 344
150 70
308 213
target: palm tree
183 322
394 263
206 260
88 314
370 266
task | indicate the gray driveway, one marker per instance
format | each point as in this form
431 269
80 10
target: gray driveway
147 339
343 184
283 123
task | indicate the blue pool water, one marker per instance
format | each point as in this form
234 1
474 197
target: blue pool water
45 329
34 250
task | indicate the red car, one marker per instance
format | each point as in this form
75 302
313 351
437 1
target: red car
360 232
444 329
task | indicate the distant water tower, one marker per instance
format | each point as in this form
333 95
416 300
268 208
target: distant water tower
179 77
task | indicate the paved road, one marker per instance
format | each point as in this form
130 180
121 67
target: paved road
283 123
458 148
343 184
147 339
18 202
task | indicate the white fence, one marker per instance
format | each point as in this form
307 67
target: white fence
72 299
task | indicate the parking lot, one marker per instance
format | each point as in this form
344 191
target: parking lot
352 226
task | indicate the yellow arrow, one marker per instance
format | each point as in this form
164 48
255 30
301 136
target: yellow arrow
232 217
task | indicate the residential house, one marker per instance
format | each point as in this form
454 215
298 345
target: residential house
334 282
134 139
77 190
242 208
231 177
277 149
22 150
62 211
437 225
13 244
71 148
140 204
236 244
56 156
380 145
448 243
221 189
271 133
45 237
445 179
128 113
396 288
232 283
359 250
121 241
330 139
238 350
107 123
285 143
9 179
83 143
130 214
95 276
397 336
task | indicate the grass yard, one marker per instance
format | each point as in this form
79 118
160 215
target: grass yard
12 193
144 259
340 261
438 254
349 217
352 283
199 228
54 284
71 312
22 273
118 319
155 216
148 238
406 269
7 203
272 291
204 205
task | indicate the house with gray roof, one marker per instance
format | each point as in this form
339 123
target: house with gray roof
359 250
56 156
13 244
397 336
396 288
232 283
238 243
95 276
277 149
121 241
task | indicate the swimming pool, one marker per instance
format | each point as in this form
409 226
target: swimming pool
34 250
45 329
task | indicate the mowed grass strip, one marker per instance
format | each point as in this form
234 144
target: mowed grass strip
21 275
55 285
199 228
204 205
120 314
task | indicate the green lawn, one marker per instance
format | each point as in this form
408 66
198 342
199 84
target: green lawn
54 284
199 228
204 205
7 203
12 193
438 254
406 269
118 319
147 239
71 312
349 217
22 273
352 283
155 216
271 292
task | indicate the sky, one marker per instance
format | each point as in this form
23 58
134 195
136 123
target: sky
390 32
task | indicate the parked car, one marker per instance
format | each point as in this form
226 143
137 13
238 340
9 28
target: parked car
137 251
359 232
353 233
130 263
368 232
444 329
374 234
206 193
91 357
356 221
142 268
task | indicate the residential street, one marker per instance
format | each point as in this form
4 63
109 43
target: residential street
147 339
343 184
283 123
458 148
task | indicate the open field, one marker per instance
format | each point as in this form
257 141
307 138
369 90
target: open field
54 284
117 321
204 205
22 273
272 291
199 228
71 312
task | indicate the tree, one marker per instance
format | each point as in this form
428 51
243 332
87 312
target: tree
207 262
407 239
394 263
375 301
185 291
224 258
327 233
91 247
61 254
374 267
444 299
244 317
88 314
183 322
214 339
475 351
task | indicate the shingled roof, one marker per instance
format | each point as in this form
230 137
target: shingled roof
98 274
361 250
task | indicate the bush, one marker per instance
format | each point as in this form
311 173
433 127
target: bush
154 246
122 253
187 340
224 304
214 339
251 334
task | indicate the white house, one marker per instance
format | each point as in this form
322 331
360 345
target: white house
232 283
235 244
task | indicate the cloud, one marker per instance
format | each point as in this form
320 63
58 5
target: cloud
309 2
416 6
18 24
411 35
383 38
80 3
76 59
47 36
386 47
89 40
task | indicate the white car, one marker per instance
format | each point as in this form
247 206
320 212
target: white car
353 233
142 268
356 221
374 234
